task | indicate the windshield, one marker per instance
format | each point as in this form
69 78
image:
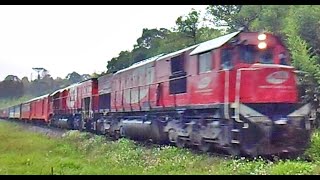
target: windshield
251 54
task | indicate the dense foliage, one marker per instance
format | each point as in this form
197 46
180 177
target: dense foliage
14 88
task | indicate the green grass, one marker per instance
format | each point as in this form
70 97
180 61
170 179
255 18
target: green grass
25 152
4 103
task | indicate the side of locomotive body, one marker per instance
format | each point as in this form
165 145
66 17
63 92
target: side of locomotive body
75 106
60 115
89 99
236 92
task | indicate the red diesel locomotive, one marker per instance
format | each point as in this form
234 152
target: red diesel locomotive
236 92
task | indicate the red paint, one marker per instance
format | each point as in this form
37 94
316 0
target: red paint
4 113
210 87
144 87
39 109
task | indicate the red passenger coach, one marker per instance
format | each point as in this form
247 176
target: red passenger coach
14 112
25 111
4 113
40 109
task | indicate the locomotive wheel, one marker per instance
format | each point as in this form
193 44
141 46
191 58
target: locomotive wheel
116 135
172 135
80 125
204 146
180 143
234 151
98 128
158 135
121 132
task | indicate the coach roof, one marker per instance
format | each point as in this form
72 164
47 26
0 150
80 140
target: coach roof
40 97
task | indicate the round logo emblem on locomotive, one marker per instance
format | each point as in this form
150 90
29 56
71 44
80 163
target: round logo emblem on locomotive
204 82
277 77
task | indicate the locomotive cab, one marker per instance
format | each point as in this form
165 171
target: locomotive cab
260 70
263 96
251 48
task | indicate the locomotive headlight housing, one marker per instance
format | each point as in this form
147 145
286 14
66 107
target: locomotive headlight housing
262 45
262 37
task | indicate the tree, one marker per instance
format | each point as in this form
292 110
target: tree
122 61
45 73
173 42
207 33
38 70
271 19
11 78
161 41
303 58
11 87
74 77
149 36
148 44
85 76
26 84
233 16
223 15
25 80
189 24
94 75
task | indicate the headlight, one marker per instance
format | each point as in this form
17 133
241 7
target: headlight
262 37
262 45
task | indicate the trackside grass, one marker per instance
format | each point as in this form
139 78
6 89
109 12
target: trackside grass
26 152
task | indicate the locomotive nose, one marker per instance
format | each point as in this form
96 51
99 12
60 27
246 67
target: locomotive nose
278 127
267 84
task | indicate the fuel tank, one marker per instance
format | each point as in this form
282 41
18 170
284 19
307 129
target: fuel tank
137 129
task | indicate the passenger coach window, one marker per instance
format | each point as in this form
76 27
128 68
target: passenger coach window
226 59
205 62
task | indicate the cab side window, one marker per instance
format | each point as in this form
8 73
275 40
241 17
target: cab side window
226 59
178 79
205 62
247 53
283 59
177 65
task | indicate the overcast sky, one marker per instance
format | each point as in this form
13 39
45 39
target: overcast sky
77 38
